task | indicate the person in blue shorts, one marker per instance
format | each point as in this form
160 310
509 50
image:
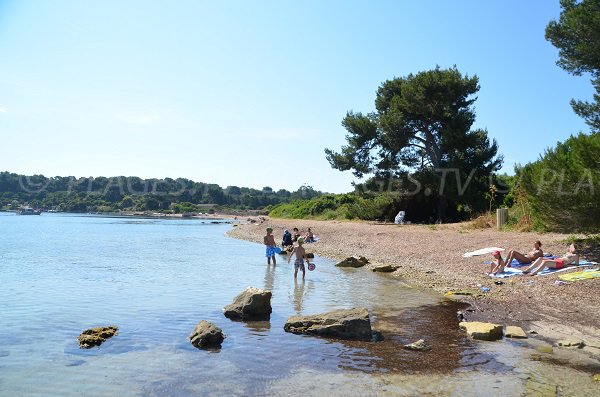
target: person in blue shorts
269 241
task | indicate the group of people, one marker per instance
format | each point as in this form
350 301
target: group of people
288 242
535 259
289 239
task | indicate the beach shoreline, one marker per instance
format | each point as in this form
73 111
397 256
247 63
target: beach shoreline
430 257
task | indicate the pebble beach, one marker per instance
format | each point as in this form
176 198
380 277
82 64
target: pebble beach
430 256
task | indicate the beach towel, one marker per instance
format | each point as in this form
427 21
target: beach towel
512 271
483 251
314 240
582 275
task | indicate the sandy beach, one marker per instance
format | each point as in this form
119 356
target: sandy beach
430 257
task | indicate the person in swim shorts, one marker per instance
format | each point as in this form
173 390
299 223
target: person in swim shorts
269 241
569 258
299 261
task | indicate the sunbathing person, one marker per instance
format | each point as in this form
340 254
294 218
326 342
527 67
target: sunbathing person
497 263
531 256
309 237
569 258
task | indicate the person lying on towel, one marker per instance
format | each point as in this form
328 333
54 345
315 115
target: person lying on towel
529 257
569 258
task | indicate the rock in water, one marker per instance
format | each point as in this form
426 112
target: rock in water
578 343
206 334
252 304
419 345
352 262
384 268
513 331
344 324
482 331
96 336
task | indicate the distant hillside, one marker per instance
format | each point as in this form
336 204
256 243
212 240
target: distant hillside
132 193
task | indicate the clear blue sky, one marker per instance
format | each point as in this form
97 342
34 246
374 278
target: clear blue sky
249 93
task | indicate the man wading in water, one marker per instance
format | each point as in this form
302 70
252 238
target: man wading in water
270 243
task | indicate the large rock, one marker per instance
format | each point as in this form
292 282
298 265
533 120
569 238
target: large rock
353 262
384 268
482 331
513 331
344 324
96 336
252 304
206 334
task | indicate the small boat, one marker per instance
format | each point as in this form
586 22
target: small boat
29 211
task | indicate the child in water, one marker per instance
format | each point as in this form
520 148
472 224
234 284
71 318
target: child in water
269 241
299 262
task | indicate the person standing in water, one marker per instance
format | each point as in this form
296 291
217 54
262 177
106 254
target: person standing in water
269 241
299 262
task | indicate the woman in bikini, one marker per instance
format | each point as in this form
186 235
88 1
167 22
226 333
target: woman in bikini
497 263
569 258
531 256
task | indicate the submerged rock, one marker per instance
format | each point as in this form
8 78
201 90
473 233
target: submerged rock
353 262
344 324
482 331
206 334
384 268
252 304
578 343
419 345
96 336
515 332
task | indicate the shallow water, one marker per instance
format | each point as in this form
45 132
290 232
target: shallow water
156 278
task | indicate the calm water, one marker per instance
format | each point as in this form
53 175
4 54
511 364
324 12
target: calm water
155 279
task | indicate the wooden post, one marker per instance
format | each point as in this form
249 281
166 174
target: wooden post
501 217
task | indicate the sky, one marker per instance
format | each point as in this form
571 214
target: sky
250 93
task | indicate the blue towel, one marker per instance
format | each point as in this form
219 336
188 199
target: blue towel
511 271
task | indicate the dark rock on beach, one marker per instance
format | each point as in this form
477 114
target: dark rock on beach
96 336
384 268
206 334
343 324
353 262
252 304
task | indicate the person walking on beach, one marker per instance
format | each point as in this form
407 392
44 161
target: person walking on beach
270 243
299 262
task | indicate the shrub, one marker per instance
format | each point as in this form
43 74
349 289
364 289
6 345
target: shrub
562 187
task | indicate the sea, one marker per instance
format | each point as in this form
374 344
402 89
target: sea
157 278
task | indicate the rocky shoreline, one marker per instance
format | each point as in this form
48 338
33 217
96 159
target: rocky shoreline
431 257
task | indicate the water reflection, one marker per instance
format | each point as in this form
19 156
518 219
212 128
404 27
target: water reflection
437 324
270 277
261 328
298 295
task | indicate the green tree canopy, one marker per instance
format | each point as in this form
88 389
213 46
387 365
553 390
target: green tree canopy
562 186
422 124
577 36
